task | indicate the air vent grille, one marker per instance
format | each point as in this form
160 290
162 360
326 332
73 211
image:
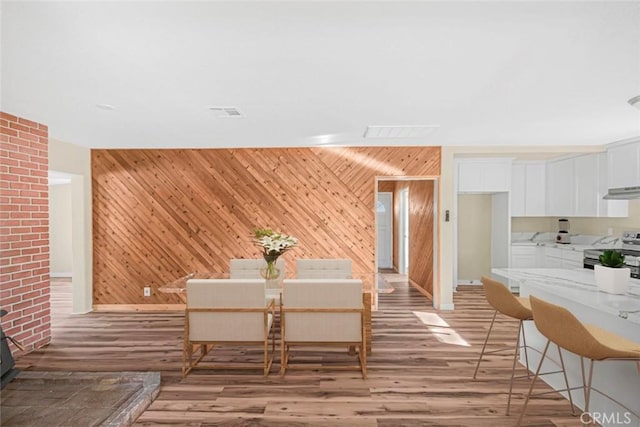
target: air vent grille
226 112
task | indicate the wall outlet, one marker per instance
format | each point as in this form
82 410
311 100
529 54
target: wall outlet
147 291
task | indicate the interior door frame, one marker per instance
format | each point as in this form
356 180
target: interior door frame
436 229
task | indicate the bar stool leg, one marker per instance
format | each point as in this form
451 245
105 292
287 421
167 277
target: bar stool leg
513 366
566 381
484 346
526 355
533 382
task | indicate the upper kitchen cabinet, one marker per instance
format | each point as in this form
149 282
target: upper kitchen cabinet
484 175
609 208
585 181
528 193
624 165
576 187
560 188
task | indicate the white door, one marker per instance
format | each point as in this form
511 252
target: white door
384 221
403 232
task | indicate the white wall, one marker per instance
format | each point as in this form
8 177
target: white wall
76 160
60 230
474 236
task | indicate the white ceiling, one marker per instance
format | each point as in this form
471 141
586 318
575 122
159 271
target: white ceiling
309 73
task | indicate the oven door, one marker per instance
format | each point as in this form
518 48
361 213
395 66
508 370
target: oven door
589 263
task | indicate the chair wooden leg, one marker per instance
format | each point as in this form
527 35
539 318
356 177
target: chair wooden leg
484 346
533 382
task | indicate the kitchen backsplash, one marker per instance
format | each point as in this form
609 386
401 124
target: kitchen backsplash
582 226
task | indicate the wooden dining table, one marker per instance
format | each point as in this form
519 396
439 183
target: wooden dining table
371 284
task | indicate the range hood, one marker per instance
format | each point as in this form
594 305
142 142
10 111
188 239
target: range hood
624 193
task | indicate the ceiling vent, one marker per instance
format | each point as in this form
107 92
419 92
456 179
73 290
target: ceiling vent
417 131
226 112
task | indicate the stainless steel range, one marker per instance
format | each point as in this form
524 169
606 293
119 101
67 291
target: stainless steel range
630 249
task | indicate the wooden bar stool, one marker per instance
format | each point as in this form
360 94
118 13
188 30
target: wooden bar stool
562 328
500 297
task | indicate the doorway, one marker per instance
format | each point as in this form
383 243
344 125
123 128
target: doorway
415 231
384 221
403 232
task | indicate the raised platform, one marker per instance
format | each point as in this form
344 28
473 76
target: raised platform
110 399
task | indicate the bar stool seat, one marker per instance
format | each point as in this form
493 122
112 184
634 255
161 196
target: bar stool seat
518 308
562 328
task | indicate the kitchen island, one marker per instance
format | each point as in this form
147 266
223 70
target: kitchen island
576 291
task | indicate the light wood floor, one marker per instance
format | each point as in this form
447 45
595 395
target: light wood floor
419 372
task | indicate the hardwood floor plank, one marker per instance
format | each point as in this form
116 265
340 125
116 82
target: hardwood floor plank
419 371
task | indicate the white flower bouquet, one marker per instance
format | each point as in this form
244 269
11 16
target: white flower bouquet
273 245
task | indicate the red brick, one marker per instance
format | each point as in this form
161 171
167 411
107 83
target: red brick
20 245
42 300
11 300
4 123
10 162
10 269
26 122
22 319
9 117
43 127
28 137
18 156
40 271
8 177
10 132
19 127
20 259
30 251
31 295
40 133
28 150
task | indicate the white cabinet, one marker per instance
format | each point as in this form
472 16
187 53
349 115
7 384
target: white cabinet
624 165
560 257
576 187
560 188
552 258
523 256
484 175
528 189
585 182
608 208
572 259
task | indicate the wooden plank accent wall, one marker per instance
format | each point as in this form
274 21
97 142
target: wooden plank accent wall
160 214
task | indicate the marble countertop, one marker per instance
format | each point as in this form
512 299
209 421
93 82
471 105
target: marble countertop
579 285
578 242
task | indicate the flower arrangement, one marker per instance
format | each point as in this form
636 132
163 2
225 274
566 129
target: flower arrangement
273 245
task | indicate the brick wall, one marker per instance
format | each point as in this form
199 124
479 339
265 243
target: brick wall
24 231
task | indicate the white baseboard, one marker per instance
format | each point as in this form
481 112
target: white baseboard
57 274
447 307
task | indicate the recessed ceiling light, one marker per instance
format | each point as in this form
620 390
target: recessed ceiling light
226 112
106 107
412 131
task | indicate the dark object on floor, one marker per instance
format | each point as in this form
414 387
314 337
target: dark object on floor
7 365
